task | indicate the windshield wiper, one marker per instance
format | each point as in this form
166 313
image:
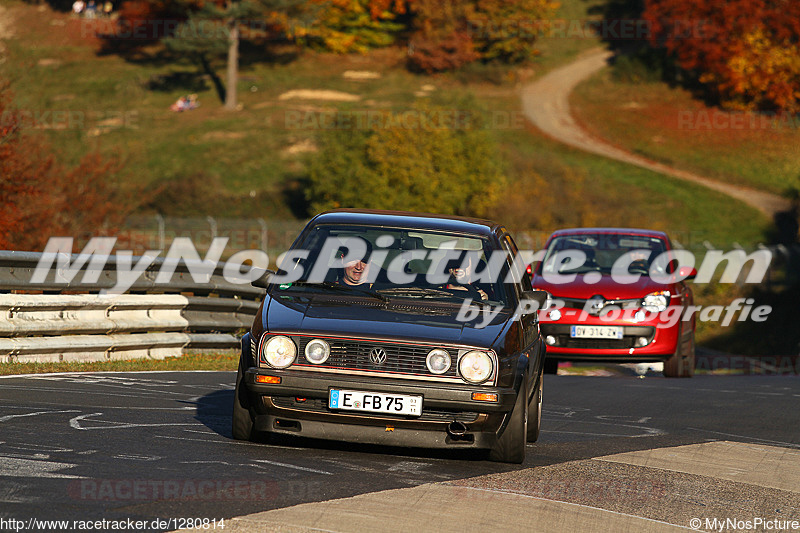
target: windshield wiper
417 292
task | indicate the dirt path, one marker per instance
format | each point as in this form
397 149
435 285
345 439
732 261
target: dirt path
545 103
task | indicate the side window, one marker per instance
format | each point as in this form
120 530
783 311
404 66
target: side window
511 248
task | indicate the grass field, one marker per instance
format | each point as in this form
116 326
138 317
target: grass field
224 360
666 124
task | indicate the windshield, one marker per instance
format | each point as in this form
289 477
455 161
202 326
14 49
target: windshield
599 252
394 263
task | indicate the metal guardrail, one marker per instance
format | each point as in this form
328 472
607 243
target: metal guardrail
71 321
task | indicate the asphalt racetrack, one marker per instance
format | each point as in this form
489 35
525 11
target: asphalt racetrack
123 450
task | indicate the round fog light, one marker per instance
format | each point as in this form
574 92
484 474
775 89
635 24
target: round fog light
550 340
642 341
438 361
317 351
555 314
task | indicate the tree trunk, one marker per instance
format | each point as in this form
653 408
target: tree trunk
233 66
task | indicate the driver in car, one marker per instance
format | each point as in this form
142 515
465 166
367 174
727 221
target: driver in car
461 277
356 272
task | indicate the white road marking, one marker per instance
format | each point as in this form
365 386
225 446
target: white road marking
648 431
287 465
408 466
37 447
17 467
126 407
35 456
129 457
9 417
219 441
623 418
76 423
212 433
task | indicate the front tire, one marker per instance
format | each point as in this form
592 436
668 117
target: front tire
535 413
681 365
510 447
242 421
550 366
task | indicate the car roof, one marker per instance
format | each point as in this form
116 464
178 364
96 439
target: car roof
406 219
611 231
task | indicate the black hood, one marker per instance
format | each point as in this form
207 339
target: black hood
398 318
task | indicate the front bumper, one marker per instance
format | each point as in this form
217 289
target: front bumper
662 341
276 409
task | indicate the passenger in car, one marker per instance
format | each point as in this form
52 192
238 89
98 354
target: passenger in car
461 271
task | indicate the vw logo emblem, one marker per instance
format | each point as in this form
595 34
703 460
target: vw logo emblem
377 356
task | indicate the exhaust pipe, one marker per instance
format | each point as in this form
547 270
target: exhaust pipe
456 429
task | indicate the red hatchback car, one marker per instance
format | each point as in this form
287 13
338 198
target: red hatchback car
616 295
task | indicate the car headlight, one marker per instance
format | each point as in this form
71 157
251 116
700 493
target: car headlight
475 366
317 351
655 302
279 352
438 361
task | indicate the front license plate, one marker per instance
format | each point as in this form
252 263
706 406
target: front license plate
595 332
375 402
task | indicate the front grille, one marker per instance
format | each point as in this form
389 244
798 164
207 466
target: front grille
355 355
319 405
576 303
596 344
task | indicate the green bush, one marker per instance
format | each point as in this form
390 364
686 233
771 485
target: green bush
429 159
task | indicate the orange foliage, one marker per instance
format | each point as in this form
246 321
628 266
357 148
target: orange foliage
745 52
41 198
442 40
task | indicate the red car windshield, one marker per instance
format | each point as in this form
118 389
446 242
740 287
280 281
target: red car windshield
598 252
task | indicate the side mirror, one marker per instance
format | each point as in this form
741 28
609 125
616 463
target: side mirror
540 297
264 281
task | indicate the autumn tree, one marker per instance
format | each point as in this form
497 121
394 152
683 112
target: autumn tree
42 198
426 159
744 53
451 33
206 31
344 26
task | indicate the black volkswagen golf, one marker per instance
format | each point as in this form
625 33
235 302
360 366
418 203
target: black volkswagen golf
402 329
